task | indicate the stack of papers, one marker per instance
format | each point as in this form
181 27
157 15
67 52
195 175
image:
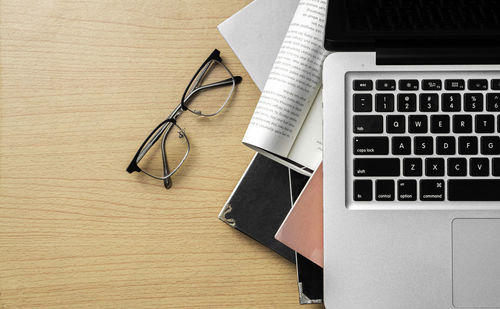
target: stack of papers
266 36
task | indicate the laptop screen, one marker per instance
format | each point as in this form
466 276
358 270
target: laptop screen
365 24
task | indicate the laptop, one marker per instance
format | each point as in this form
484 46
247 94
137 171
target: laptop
412 154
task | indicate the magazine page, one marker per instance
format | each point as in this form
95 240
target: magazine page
293 83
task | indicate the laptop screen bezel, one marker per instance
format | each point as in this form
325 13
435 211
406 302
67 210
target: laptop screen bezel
337 38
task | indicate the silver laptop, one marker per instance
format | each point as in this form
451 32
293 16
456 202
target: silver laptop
412 154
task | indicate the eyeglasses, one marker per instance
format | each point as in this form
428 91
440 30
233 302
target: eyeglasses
206 95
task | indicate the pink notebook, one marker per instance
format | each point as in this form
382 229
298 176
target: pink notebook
302 229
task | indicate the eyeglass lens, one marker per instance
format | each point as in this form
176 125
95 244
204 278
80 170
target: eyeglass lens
210 89
172 146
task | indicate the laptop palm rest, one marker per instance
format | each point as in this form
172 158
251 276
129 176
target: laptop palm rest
476 267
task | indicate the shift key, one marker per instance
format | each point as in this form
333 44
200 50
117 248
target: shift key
368 124
376 167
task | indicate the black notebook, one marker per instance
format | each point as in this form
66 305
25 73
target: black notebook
257 207
261 201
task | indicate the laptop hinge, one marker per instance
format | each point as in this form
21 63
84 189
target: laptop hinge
437 55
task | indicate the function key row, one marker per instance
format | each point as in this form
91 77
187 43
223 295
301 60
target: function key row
439 124
427 84
427 102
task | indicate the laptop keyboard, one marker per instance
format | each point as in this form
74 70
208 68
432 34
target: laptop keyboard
429 138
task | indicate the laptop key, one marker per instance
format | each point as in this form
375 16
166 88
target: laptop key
431 84
462 124
432 190
362 85
396 124
467 145
477 84
417 124
363 190
384 190
384 102
407 102
490 145
371 145
385 84
445 145
401 145
454 84
493 102
376 167
407 190
495 84
479 167
408 84
473 102
429 102
485 124
424 145
495 167
457 167
362 102
368 124
434 167
473 190
451 102
412 167
440 124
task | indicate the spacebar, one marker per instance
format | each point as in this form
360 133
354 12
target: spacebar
474 190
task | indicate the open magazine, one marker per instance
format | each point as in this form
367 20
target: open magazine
287 123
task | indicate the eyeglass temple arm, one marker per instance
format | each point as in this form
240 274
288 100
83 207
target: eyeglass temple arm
153 140
167 182
226 82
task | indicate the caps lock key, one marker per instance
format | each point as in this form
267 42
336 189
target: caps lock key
371 145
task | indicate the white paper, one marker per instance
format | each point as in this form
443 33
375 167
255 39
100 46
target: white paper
256 32
308 147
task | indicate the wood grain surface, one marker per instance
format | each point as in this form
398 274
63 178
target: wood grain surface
81 85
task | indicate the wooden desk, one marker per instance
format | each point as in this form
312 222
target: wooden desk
81 84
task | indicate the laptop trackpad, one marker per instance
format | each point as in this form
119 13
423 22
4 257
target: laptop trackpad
476 263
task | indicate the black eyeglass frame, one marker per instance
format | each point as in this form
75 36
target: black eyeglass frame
164 128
